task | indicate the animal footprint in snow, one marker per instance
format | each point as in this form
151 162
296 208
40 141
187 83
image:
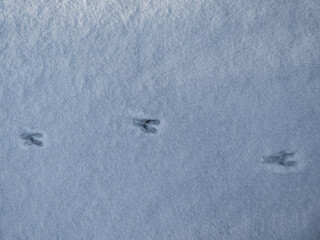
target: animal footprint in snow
146 125
285 162
30 139
280 158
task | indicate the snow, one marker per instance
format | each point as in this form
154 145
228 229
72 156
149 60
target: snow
230 83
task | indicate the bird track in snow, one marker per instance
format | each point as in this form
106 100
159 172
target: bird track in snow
280 158
146 125
30 139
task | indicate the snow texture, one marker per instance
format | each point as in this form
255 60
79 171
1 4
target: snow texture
160 119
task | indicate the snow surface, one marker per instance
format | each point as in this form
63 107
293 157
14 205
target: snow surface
232 83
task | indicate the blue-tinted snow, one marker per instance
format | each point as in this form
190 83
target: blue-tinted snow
231 82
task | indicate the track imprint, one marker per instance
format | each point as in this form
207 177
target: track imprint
146 125
30 139
280 158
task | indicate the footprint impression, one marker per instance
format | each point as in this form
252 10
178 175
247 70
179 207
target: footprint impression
280 158
147 125
31 139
